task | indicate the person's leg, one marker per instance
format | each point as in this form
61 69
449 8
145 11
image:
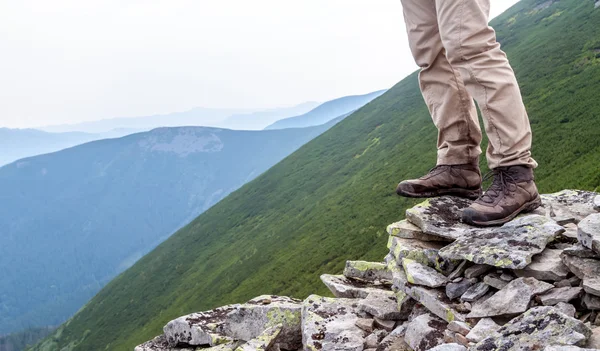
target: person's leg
451 107
472 48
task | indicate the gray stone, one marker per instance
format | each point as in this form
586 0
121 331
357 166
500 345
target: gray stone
506 277
366 324
494 281
449 347
477 270
459 327
458 271
420 274
394 341
425 332
513 299
456 290
594 340
565 283
484 328
405 229
536 329
586 269
475 292
589 232
434 300
545 266
566 308
580 251
343 287
567 206
440 216
160 344
570 231
591 302
384 324
556 295
383 304
510 246
373 340
597 198
239 322
264 341
566 348
330 324
368 271
424 252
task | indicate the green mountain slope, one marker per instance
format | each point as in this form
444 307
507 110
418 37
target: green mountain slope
331 200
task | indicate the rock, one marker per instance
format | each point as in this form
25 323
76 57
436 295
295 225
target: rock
449 347
160 344
456 290
330 324
461 339
556 295
570 231
475 292
513 299
449 336
369 271
238 322
434 300
384 305
567 206
458 271
586 269
343 287
477 270
440 216
419 274
366 324
597 198
545 266
371 341
566 308
591 302
385 324
484 328
420 251
510 246
566 348
459 327
264 341
506 277
494 281
580 251
535 329
589 232
565 283
425 332
405 229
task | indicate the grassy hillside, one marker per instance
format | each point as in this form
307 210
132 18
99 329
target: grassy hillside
331 200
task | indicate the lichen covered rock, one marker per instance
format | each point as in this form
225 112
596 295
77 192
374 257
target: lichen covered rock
440 216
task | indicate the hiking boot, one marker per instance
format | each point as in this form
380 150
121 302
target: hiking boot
512 191
459 180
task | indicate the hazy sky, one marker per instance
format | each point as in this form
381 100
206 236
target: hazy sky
65 61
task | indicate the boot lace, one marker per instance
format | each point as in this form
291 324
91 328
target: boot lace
503 183
443 168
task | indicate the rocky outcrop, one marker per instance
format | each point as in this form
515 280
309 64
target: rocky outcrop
531 284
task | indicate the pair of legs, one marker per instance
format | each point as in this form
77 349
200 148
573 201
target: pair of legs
461 61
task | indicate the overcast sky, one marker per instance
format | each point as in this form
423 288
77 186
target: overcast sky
66 61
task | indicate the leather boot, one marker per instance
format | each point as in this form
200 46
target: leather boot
459 180
512 191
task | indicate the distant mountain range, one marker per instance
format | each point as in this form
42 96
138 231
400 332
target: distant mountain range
72 220
326 111
20 143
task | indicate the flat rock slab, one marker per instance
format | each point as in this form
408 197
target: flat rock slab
484 328
556 295
546 266
597 203
589 232
580 251
512 299
239 322
330 324
586 269
160 344
440 216
264 341
425 252
449 347
567 206
368 271
405 229
419 274
384 305
510 246
425 332
343 287
536 329
475 292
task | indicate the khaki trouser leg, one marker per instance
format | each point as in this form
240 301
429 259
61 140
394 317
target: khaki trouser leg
451 107
472 48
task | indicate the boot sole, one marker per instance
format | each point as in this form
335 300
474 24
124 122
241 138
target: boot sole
527 207
466 193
